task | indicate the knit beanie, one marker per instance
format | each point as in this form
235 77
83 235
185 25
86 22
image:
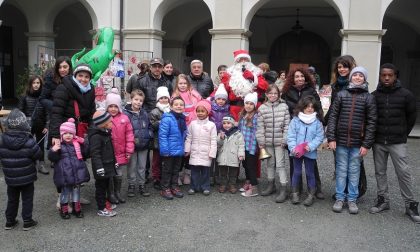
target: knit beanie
113 98
228 118
82 68
17 121
359 69
221 92
204 103
251 97
162 92
101 117
68 127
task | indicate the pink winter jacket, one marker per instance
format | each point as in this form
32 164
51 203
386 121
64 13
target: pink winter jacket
122 138
201 142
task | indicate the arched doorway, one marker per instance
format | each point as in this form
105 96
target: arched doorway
273 23
13 49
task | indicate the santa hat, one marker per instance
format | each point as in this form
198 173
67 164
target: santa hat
68 127
221 92
251 97
162 92
100 118
204 103
241 54
113 98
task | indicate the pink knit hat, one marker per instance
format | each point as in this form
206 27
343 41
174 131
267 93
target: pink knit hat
68 127
204 103
113 98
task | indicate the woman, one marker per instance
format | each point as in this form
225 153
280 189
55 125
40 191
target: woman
168 72
299 85
281 80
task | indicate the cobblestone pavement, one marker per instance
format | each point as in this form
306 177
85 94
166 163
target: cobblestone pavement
222 222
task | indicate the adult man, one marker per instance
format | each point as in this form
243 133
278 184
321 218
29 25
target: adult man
199 80
396 117
243 78
149 83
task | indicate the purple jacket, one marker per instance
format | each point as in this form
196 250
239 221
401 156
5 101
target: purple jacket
217 114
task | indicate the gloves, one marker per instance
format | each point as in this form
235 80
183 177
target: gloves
248 75
100 172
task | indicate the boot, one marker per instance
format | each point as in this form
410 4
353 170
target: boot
143 191
64 211
77 210
411 209
117 188
40 165
110 192
319 194
381 205
130 191
295 195
282 196
270 188
310 199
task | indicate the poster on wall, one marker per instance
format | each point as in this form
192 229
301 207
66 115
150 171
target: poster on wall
46 57
132 59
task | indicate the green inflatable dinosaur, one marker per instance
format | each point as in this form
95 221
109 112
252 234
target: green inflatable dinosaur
99 57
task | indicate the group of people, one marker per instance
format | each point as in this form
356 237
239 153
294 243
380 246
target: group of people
200 133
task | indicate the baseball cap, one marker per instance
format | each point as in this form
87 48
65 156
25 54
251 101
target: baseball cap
156 61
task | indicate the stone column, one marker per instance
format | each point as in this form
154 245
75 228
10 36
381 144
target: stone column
144 40
36 39
365 47
224 42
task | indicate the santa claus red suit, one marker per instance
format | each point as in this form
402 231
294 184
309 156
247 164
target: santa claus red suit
243 78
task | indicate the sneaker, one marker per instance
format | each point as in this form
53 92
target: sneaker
28 225
177 193
380 205
110 206
11 225
106 213
167 194
251 192
191 192
353 209
143 191
130 191
206 192
338 206
245 187
412 210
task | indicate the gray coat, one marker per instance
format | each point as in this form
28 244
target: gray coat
230 149
273 123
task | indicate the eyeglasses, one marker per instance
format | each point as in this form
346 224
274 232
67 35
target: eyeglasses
275 94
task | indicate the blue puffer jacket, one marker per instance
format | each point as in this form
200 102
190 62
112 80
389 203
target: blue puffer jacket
143 132
171 139
300 132
18 153
68 170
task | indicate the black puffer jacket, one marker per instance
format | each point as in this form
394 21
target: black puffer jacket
101 152
335 88
396 113
353 117
203 84
47 93
148 84
293 96
18 153
63 105
30 106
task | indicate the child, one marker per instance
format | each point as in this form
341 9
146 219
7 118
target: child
273 122
248 127
231 148
162 106
36 114
304 136
172 130
103 159
69 168
351 132
142 135
122 140
201 146
18 155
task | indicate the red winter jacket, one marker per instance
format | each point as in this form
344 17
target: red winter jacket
122 138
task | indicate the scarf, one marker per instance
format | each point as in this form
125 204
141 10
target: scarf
163 107
300 87
180 119
363 86
342 81
83 89
231 131
307 119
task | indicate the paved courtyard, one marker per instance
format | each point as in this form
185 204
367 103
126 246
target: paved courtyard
221 222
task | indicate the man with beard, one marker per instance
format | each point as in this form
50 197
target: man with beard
243 78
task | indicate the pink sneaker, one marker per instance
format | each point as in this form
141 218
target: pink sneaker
245 187
251 192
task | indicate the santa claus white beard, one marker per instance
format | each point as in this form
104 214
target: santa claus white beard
239 85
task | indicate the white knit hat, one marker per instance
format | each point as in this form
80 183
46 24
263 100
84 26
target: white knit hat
113 98
251 97
221 92
162 92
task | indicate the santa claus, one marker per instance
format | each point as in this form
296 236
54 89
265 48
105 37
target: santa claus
243 78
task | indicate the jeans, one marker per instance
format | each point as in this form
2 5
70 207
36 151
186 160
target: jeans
347 169
13 194
137 167
200 177
66 191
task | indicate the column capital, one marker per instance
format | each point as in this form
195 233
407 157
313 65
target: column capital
144 34
362 35
230 33
41 36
